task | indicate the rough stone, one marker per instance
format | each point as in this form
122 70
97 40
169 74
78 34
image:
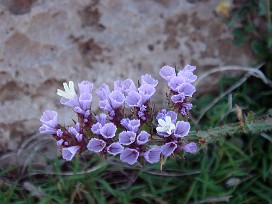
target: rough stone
46 42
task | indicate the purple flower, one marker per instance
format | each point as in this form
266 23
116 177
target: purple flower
187 73
71 102
186 88
153 155
125 86
134 99
96 145
108 130
44 129
175 82
127 137
168 148
105 105
162 114
116 99
129 156
167 73
103 92
85 100
190 147
146 91
131 125
85 87
69 152
182 129
115 148
143 138
50 118
148 79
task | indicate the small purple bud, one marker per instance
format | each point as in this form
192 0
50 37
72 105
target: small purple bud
101 119
59 133
72 131
96 145
79 137
59 142
185 108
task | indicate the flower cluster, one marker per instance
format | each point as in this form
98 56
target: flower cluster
138 135
181 88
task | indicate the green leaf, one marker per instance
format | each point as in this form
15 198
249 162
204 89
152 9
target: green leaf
259 48
240 36
262 8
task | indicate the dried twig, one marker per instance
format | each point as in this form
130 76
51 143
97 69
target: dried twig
235 86
252 71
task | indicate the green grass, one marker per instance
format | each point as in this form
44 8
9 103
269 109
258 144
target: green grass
199 178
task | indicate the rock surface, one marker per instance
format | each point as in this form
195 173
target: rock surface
46 42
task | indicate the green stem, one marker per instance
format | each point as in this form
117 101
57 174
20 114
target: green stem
214 134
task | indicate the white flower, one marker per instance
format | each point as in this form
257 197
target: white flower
69 91
166 125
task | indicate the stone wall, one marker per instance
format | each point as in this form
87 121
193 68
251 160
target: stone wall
46 42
